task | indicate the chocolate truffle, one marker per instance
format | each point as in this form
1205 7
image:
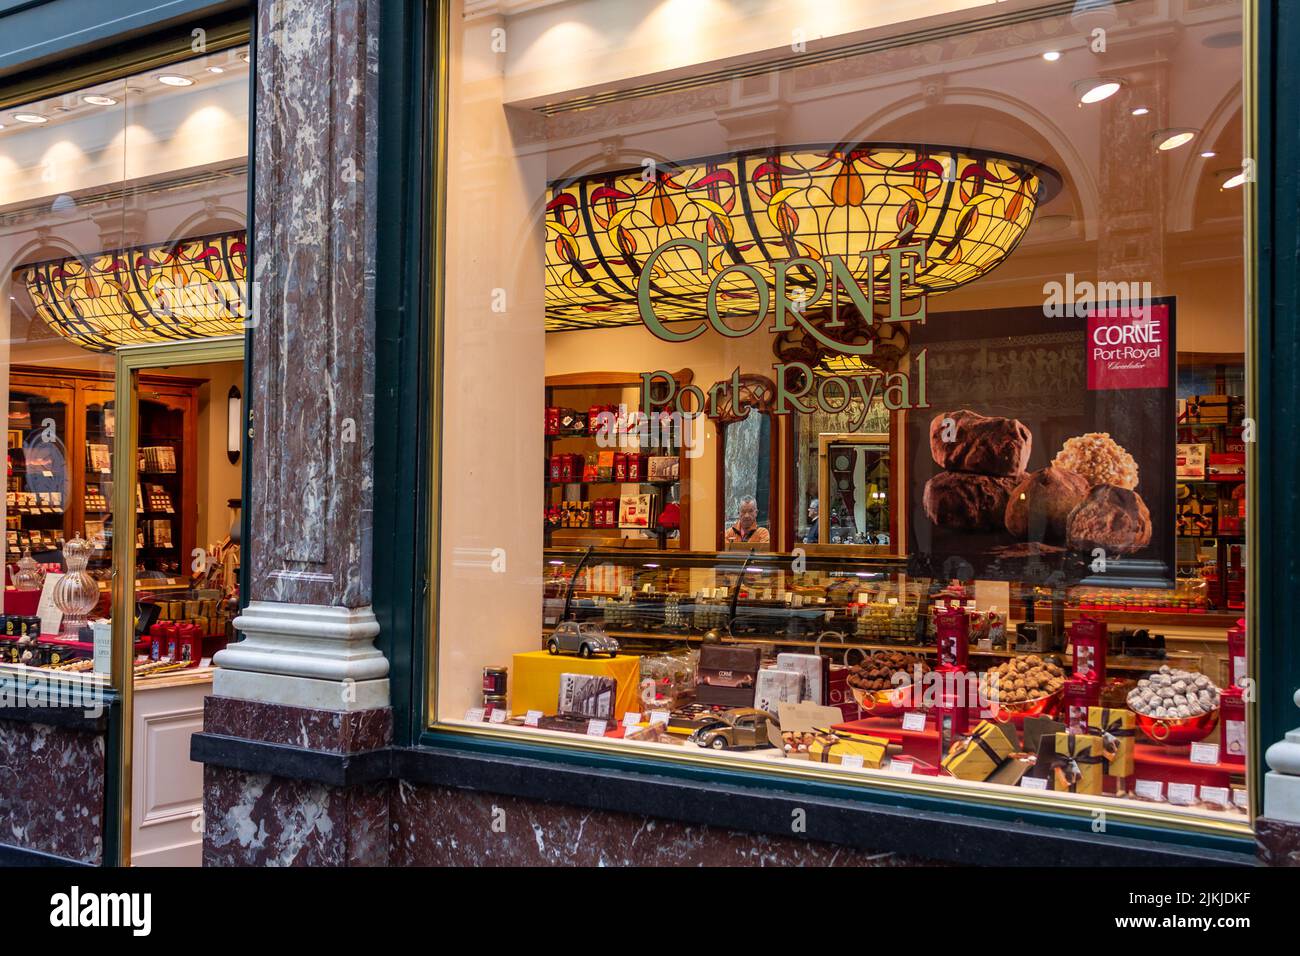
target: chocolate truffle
1111 518
978 443
962 501
1041 503
1100 459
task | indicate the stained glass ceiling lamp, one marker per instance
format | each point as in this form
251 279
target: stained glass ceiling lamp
167 292
967 208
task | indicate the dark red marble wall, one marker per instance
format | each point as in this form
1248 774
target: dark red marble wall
438 826
52 790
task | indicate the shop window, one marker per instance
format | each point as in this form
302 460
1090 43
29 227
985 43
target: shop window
123 226
922 466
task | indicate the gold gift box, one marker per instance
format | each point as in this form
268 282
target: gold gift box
872 750
1117 728
977 756
1078 764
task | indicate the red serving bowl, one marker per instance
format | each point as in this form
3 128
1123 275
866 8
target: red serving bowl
1180 730
1047 705
885 703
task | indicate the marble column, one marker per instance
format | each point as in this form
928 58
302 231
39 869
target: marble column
309 628
1278 830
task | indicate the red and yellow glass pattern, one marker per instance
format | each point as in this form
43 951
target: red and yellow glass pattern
174 291
968 209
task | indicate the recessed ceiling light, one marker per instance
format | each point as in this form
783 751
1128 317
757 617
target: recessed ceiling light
1167 139
1139 111
30 118
1208 154
1230 178
215 69
175 79
97 99
1051 56
1097 88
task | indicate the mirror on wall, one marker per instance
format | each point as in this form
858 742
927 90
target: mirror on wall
748 498
855 491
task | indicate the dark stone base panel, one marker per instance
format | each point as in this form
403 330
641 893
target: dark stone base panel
1279 842
52 790
441 826
255 819
326 730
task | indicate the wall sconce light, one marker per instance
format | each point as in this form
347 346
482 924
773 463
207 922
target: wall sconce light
234 423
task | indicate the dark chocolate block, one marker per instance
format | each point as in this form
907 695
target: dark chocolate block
726 674
987 446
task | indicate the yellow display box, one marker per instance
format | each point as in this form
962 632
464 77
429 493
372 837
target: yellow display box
536 680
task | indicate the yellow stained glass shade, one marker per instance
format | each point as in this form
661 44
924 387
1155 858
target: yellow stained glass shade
968 209
174 291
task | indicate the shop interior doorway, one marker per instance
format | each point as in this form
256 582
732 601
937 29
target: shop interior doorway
177 511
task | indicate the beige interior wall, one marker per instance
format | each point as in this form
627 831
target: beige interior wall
621 43
218 479
492 386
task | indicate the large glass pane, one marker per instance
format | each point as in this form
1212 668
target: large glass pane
941 307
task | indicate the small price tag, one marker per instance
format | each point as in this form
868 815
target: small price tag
596 728
631 719
659 717
1150 789
914 720
1217 796
532 718
1205 753
474 715
984 644
498 715
901 766
1182 794
851 760
1241 799
1034 783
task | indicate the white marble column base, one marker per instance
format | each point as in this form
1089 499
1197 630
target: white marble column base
305 655
301 691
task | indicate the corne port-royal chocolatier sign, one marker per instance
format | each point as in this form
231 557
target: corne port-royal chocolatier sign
791 306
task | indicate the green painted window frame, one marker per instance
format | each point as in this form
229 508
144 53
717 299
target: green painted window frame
409 280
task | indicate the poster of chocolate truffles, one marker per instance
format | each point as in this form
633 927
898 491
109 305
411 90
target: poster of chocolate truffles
1047 454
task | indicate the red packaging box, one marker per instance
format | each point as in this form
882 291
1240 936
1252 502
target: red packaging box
1079 695
636 467
554 474
1232 712
1237 653
1088 638
838 693
552 420
952 711
568 465
1226 466
953 630
620 466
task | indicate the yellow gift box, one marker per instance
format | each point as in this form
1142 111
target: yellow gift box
978 755
1077 765
535 681
824 749
1117 728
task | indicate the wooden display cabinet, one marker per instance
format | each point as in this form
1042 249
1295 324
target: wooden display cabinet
579 391
80 402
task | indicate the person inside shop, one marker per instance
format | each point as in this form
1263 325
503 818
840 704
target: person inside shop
747 530
814 510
